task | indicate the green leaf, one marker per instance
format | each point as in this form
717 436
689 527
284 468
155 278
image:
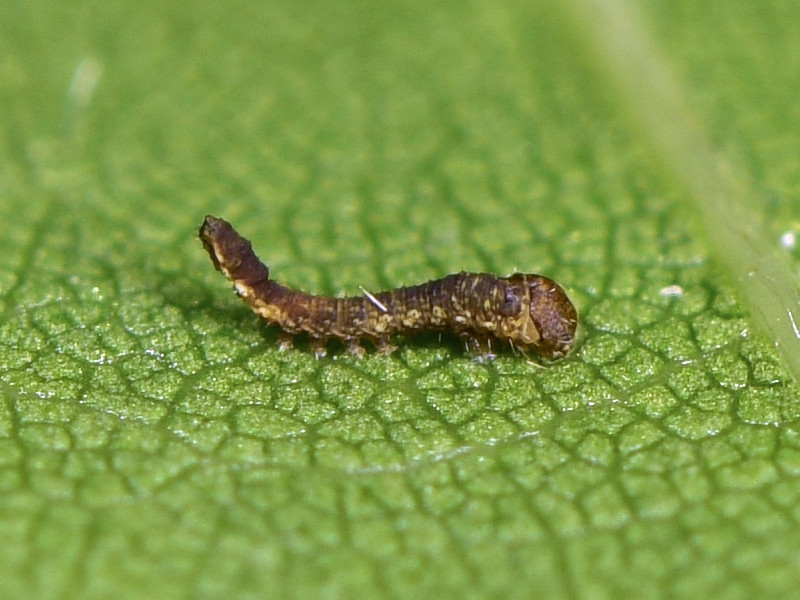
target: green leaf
154 442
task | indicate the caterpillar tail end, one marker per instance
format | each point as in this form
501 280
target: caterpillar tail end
231 254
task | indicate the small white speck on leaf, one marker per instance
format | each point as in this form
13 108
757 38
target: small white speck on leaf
671 290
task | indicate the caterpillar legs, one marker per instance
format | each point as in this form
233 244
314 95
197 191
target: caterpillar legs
384 347
354 347
318 347
285 341
481 348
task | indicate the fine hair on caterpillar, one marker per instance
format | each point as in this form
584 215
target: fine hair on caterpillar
528 311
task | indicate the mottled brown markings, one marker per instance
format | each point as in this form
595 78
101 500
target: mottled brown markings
526 310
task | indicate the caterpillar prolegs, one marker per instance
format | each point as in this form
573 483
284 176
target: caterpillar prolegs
526 310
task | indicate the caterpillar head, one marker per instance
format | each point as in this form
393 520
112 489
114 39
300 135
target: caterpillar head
553 315
549 323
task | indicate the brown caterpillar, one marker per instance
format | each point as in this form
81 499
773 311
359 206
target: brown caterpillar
525 310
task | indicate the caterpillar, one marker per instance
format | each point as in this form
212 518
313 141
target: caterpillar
528 311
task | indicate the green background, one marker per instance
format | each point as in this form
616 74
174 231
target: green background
155 443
